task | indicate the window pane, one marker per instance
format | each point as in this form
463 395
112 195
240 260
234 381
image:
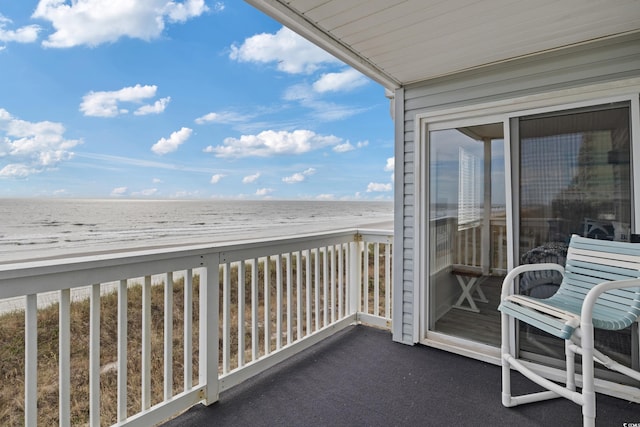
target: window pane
574 179
467 231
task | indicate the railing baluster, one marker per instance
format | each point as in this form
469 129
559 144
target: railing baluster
340 280
122 351
168 336
267 305
94 356
355 276
473 247
278 302
346 247
365 281
64 353
316 256
458 237
288 257
254 310
387 280
226 318
308 289
146 344
241 312
188 330
376 279
299 294
332 250
325 287
31 361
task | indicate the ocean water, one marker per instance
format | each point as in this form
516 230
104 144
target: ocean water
39 228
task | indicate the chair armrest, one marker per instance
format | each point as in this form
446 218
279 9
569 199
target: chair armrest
592 296
507 284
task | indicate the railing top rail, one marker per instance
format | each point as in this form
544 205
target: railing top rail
95 267
135 255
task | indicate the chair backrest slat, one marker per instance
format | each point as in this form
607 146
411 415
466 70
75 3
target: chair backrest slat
590 262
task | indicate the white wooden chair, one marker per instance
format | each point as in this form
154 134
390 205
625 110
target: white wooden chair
600 289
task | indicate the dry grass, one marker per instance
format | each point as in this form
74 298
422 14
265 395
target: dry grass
12 348
12 356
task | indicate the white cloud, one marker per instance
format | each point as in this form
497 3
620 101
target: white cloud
171 144
106 103
343 148
218 6
299 176
340 82
155 108
249 179
17 170
223 118
31 147
391 164
271 143
93 22
295 178
361 144
181 12
119 191
375 187
264 191
322 110
292 53
143 163
26 34
216 178
157 181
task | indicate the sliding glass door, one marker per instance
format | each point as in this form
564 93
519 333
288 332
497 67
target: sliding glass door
467 231
570 172
574 178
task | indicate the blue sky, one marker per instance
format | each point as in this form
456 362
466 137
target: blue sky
181 99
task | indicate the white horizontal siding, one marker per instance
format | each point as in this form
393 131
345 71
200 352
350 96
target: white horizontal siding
608 60
602 61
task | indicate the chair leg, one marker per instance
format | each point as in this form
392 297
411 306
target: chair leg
506 367
570 357
508 360
588 392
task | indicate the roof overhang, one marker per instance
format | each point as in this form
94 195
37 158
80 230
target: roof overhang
400 42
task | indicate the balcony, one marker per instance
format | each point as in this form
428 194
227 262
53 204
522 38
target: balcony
360 377
274 334
169 328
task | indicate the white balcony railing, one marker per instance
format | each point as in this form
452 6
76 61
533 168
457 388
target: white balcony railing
226 312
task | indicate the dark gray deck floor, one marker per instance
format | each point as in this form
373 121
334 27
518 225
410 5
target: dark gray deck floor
359 377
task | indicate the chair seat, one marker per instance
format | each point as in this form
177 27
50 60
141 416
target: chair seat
524 308
556 326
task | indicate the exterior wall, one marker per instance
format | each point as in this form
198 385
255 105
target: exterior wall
603 61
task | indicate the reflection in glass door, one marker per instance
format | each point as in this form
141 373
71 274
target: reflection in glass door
575 178
467 231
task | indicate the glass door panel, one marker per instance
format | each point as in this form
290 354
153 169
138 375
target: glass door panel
575 178
467 231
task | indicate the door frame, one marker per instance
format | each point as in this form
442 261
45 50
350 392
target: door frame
492 112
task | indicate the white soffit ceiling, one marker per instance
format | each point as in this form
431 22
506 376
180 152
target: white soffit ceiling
397 42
